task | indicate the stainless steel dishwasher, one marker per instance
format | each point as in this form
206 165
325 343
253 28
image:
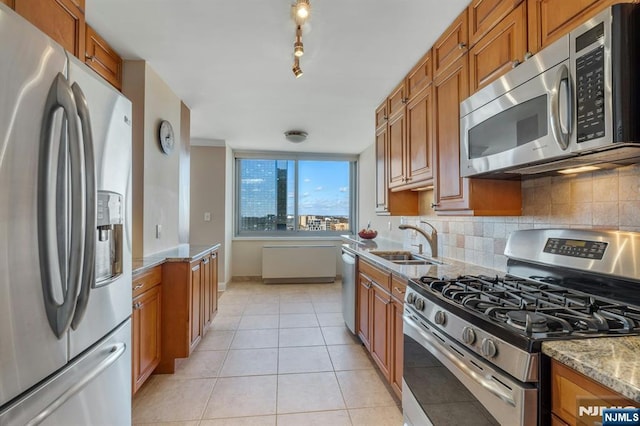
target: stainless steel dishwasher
349 290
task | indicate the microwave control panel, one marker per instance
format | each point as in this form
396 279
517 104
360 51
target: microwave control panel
590 86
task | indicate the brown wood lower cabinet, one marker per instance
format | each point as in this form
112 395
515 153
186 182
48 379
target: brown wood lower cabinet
189 300
569 388
379 309
146 325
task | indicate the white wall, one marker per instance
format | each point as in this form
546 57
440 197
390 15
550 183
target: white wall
156 186
208 193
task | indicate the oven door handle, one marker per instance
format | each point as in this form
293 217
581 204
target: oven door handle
487 384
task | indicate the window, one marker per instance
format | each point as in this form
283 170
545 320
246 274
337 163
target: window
294 195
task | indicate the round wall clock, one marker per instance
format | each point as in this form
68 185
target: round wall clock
166 137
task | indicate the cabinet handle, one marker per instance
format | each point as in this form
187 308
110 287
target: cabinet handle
205 261
515 63
138 286
404 100
368 284
434 205
137 306
528 56
399 290
90 58
462 45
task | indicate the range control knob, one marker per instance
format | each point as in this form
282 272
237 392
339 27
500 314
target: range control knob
440 318
419 304
468 335
411 297
488 348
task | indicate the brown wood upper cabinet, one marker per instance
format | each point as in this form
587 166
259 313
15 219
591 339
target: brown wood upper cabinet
101 58
485 14
387 202
451 45
9 3
455 195
551 19
499 50
62 20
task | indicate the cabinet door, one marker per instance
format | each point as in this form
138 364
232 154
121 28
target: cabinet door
380 348
450 89
397 347
551 19
420 76
500 50
396 160
363 310
101 58
206 291
146 335
62 20
420 139
485 14
451 45
213 304
381 115
8 3
381 171
195 324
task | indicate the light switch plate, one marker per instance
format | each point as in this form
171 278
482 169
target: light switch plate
207 216
158 231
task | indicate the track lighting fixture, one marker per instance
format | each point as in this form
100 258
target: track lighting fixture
297 71
298 47
302 9
299 13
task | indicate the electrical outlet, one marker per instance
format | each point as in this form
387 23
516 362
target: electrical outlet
158 231
207 216
389 225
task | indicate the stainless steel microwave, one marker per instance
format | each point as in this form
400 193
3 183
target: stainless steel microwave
575 103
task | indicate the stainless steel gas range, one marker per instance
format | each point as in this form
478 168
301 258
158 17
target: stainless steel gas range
472 343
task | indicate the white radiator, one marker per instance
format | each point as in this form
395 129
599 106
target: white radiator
299 264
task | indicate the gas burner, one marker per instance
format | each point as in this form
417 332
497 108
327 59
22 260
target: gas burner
531 322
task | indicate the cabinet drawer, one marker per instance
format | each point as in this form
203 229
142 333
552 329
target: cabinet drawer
146 280
398 287
379 276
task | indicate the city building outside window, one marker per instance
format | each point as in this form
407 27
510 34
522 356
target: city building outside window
303 195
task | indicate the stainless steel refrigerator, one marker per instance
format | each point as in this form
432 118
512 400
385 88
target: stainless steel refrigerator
65 238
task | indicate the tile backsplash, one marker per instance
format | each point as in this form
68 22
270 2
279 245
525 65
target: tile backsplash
608 199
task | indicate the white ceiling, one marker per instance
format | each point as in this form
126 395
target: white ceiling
230 62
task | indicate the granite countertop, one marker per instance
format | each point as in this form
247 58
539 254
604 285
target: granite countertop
181 253
612 361
448 267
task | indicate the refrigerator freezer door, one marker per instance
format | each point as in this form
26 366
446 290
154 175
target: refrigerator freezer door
110 114
93 390
29 350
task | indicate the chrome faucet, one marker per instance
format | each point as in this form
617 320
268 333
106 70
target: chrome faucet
431 239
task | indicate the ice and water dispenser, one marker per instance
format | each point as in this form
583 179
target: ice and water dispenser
109 237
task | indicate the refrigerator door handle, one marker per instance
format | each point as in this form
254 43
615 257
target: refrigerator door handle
60 314
116 352
88 264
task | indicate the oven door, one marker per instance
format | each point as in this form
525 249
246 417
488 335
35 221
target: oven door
445 384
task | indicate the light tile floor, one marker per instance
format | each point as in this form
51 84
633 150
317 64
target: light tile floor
274 355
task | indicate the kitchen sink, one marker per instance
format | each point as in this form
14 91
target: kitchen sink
406 258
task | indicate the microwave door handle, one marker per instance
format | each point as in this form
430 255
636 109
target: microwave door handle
562 78
88 264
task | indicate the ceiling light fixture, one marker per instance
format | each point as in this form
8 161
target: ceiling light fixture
295 136
298 47
297 71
